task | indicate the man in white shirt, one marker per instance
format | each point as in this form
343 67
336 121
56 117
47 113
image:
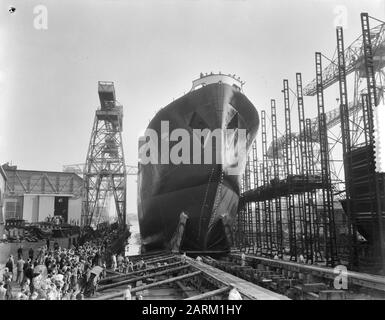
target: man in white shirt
234 293
127 293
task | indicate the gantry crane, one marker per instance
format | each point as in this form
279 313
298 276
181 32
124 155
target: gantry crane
354 56
105 170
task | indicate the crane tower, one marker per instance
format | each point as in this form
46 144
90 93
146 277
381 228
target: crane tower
105 170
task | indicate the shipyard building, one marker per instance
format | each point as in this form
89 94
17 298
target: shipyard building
34 196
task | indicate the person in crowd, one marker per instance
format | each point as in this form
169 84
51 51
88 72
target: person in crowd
20 252
243 259
120 263
234 293
127 293
126 261
7 279
3 291
19 268
113 265
31 253
9 265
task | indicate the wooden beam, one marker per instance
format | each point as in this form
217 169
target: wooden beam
150 255
155 260
209 294
117 284
151 285
186 290
126 275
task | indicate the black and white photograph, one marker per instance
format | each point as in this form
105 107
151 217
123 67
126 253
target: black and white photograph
205 150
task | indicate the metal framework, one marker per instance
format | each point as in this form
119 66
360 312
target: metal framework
267 221
297 189
277 200
105 170
327 196
288 155
308 197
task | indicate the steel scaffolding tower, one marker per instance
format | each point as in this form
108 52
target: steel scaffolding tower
105 170
288 160
278 212
346 144
267 221
297 171
307 197
327 196
258 230
372 101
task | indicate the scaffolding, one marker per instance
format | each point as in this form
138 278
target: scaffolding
295 191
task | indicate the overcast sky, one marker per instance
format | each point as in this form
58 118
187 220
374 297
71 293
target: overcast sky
152 50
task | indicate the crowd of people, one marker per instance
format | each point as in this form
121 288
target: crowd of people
56 273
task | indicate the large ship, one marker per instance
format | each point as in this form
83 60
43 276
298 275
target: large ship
190 206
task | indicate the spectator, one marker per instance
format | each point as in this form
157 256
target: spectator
183 258
2 291
20 268
127 293
234 293
120 263
20 252
30 253
9 264
113 265
243 259
7 278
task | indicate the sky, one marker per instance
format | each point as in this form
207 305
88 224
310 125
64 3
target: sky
152 50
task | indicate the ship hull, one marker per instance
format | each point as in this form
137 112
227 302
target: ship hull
191 207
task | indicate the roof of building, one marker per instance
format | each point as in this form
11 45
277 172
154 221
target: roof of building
6 167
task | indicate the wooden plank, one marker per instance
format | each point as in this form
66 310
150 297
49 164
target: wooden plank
141 288
126 275
117 284
159 259
246 288
209 294
357 278
187 290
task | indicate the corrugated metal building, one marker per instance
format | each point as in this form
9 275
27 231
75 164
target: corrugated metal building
35 195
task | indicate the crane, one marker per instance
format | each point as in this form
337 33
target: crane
354 61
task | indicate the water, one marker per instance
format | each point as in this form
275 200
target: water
134 240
